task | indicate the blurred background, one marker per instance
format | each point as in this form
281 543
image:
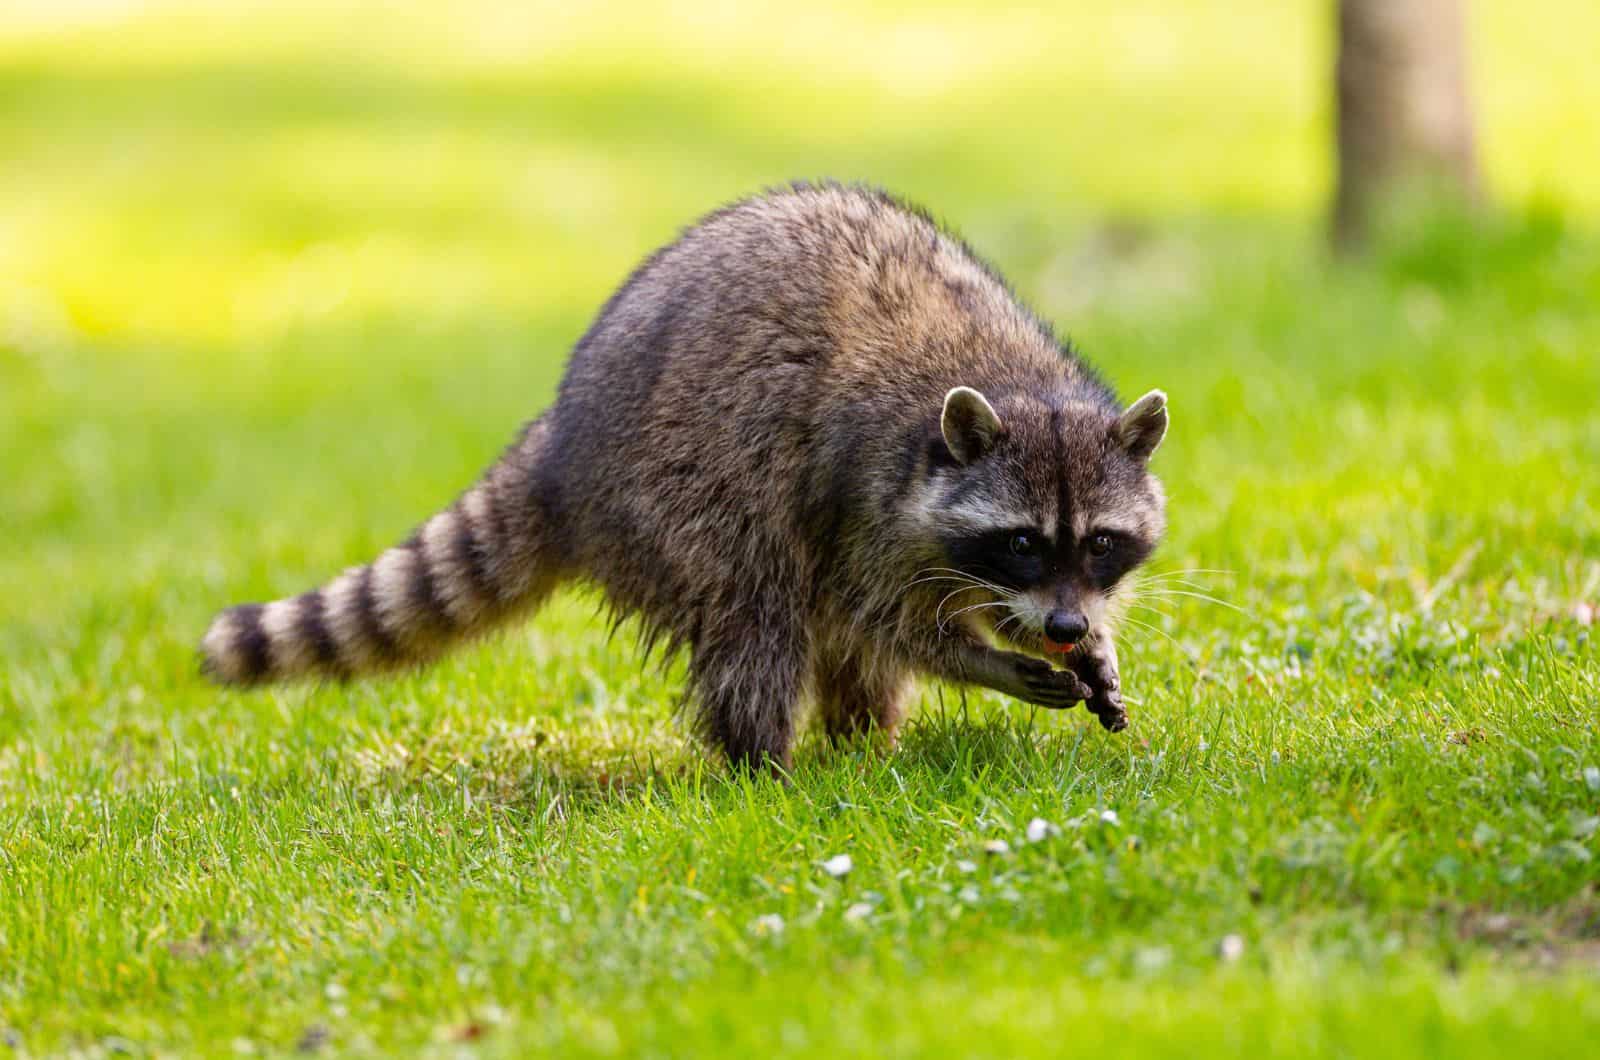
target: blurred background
277 278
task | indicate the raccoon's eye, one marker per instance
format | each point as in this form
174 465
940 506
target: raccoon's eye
1100 545
1022 544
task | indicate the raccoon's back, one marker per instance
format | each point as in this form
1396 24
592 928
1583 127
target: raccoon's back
683 422
720 419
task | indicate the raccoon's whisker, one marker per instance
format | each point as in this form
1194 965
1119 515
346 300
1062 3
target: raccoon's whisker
952 593
945 623
979 607
1025 615
1164 583
1199 596
960 581
963 585
935 574
1004 622
987 584
1168 594
1153 575
949 570
1153 629
990 580
1143 583
1148 607
938 612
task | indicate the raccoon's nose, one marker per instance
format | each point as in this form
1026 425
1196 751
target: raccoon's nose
1065 627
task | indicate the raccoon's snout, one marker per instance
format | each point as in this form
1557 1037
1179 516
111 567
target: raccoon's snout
1065 627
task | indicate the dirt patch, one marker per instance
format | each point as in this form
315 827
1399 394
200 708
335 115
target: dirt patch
1564 937
209 941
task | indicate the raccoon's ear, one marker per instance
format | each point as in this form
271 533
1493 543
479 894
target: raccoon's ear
1140 429
969 424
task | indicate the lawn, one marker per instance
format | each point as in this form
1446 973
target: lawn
277 280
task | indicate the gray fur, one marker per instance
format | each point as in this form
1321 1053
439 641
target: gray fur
754 451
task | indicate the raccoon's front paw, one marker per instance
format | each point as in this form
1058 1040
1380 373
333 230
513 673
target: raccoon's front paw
1097 668
1042 684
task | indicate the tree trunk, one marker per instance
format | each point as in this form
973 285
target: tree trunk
1405 123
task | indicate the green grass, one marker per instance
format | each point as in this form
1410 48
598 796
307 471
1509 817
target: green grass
274 284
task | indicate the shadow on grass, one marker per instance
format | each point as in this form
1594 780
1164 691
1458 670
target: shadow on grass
540 771
1013 744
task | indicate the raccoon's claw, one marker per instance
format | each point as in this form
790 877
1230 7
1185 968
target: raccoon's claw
1107 706
1046 686
1098 671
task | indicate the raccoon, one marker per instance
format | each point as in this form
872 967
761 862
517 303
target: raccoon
817 445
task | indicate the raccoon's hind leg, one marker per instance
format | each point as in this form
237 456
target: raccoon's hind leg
857 697
746 678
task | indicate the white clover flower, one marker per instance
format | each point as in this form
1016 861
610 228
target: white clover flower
768 924
997 846
858 911
1108 816
839 865
1040 829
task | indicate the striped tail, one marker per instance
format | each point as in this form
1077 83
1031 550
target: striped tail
480 561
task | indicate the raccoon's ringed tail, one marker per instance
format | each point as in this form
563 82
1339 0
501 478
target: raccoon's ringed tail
467 568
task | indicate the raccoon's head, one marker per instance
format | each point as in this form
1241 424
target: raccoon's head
1045 506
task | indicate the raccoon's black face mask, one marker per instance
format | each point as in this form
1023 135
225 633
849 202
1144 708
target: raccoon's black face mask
1046 507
